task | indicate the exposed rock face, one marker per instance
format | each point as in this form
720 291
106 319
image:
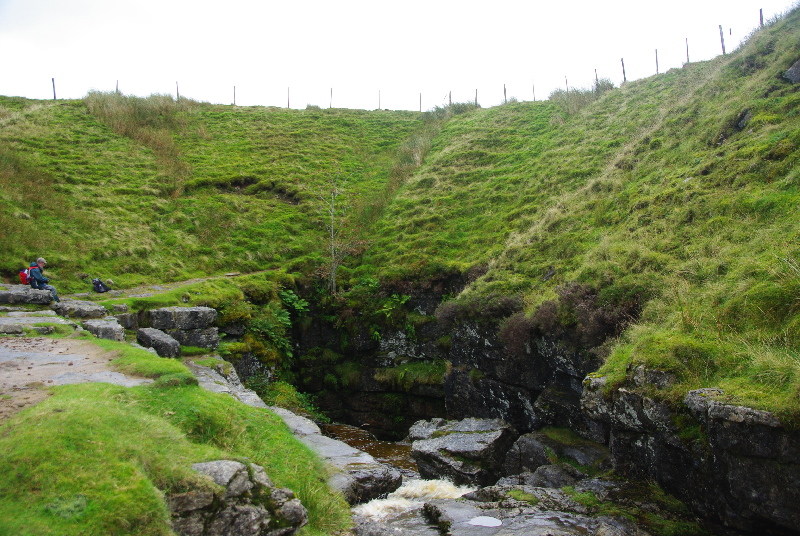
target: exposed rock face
105 329
163 344
735 465
247 505
25 294
467 452
537 387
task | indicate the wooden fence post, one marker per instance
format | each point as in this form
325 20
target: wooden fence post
117 87
761 16
287 97
450 98
476 97
533 86
178 92
54 88
656 61
420 102
687 50
234 95
505 99
566 83
722 38
379 99
330 104
624 78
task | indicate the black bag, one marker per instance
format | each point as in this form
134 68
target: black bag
99 286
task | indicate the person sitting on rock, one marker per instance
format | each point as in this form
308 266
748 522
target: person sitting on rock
38 280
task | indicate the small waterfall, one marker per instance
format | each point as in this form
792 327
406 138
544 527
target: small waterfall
408 497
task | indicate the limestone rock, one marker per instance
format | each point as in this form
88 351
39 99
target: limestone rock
79 309
202 338
163 344
537 449
247 505
183 318
470 451
105 329
25 294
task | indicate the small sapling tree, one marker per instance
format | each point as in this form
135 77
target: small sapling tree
334 203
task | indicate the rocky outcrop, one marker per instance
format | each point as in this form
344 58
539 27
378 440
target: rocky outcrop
356 474
190 326
732 464
163 344
470 451
246 505
25 294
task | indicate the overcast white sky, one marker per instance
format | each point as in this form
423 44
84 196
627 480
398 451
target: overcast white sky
357 48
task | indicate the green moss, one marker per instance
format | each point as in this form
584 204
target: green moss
520 495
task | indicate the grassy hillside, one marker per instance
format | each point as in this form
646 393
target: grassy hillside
671 199
152 189
676 194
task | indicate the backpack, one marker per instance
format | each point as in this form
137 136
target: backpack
23 276
99 286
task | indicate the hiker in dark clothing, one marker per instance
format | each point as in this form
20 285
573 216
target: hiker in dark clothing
38 280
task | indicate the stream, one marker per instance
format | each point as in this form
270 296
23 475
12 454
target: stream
401 509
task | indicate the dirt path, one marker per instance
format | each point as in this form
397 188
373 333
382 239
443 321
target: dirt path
29 365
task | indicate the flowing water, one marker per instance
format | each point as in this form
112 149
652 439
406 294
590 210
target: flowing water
400 508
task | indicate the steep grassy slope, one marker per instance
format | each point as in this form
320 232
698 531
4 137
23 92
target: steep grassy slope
153 189
677 194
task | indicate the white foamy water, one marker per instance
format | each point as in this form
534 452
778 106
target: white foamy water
410 496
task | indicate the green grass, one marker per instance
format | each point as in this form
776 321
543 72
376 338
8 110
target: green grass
677 192
97 458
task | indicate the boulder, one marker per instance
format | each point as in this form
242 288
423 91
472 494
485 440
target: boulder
546 476
183 318
467 452
163 344
105 329
537 449
202 338
79 309
793 74
247 505
25 294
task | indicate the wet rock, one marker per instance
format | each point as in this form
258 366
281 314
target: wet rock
470 451
247 505
163 344
184 318
536 449
105 329
733 465
546 476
